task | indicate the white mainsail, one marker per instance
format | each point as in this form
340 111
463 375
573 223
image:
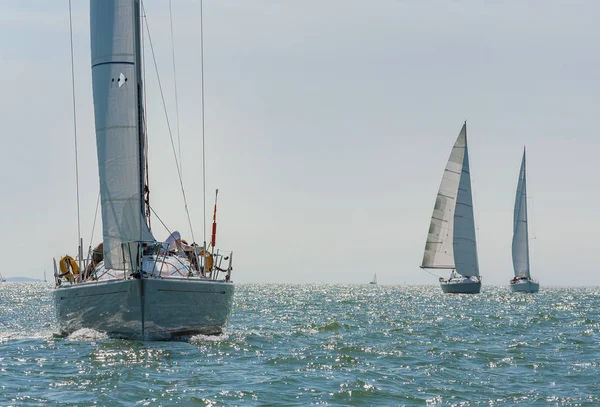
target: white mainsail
520 242
117 87
451 242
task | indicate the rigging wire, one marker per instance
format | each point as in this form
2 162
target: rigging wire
175 84
161 221
93 226
203 111
433 274
75 126
168 126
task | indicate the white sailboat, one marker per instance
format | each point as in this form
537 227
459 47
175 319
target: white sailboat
522 281
134 286
2 279
451 242
374 280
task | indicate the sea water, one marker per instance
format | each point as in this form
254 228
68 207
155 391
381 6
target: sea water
337 345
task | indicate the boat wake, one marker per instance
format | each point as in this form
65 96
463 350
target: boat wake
87 335
202 339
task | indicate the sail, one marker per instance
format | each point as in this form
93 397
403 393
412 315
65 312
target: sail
439 251
451 238
464 242
117 93
520 243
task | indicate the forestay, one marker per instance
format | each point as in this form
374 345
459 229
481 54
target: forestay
520 243
117 91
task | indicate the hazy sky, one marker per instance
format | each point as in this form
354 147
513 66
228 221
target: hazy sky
328 127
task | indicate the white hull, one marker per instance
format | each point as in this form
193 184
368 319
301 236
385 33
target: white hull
145 309
525 286
460 286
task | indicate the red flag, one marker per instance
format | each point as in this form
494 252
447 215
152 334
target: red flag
213 239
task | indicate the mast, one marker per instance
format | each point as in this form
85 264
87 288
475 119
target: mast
142 131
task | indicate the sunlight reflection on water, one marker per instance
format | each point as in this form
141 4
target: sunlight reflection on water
320 344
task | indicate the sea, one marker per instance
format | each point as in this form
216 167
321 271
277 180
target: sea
318 344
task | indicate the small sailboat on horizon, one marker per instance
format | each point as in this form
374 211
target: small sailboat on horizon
451 242
522 281
374 280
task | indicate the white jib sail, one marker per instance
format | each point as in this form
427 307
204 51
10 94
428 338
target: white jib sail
116 87
520 242
465 243
439 250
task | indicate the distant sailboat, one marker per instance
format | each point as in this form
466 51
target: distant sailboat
2 279
451 242
522 282
374 281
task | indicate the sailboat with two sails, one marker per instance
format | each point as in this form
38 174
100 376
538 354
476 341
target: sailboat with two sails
522 281
451 243
134 286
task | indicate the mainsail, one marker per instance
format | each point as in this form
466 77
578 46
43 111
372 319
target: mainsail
451 242
117 86
520 243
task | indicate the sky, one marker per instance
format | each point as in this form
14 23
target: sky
328 126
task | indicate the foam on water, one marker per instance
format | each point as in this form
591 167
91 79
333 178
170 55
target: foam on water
201 339
87 334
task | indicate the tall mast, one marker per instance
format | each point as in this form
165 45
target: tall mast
143 140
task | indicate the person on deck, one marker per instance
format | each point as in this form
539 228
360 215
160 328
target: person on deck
97 258
174 243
